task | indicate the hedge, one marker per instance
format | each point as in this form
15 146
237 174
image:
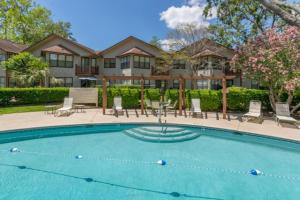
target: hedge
211 100
32 95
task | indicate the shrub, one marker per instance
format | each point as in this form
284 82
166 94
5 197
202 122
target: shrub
238 99
211 100
25 96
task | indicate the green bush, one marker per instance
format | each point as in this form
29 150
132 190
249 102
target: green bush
25 96
238 99
211 100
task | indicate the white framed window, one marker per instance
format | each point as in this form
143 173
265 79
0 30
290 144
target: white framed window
202 84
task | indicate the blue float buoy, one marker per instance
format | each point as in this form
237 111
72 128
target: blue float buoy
255 172
161 162
14 149
79 157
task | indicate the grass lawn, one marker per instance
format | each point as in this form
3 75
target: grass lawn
21 109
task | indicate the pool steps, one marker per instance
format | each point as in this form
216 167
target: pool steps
161 134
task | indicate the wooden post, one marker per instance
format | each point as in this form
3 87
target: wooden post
180 95
104 95
224 91
142 95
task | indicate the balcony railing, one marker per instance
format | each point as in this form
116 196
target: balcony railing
156 72
87 70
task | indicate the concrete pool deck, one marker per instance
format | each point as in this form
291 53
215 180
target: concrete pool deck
91 116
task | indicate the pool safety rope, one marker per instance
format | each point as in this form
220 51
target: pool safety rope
161 162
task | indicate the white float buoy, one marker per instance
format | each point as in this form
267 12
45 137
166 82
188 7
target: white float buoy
79 157
256 172
14 149
161 162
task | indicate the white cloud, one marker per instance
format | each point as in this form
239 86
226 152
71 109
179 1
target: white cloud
192 13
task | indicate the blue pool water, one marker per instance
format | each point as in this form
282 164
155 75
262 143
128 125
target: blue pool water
214 165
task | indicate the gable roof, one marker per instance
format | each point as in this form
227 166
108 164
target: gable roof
136 51
59 49
207 52
130 38
207 47
11 47
54 36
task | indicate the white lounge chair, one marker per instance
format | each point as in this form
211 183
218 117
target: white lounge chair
195 107
67 107
283 113
254 110
117 107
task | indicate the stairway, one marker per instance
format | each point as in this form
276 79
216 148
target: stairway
161 134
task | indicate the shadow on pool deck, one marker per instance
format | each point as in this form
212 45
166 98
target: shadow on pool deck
90 180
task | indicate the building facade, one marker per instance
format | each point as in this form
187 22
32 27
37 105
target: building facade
74 65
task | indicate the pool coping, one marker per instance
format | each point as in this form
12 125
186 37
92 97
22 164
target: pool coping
234 131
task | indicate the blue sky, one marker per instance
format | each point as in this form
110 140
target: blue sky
101 23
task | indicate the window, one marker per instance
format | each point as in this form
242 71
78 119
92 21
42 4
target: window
141 62
202 84
2 82
176 84
69 61
136 82
147 83
125 62
179 64
254 85
2 57
60 60
216 84
85 62
202 64
93 62
229 83
216 63
53 60
109 63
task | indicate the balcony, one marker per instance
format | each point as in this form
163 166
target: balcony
84 70
158 72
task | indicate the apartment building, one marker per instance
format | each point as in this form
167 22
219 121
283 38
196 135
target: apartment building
74 65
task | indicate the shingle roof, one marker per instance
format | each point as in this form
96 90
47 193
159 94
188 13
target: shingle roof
53 36
59 49
207 52
11 47
136 51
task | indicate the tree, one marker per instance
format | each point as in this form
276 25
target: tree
288 12
26 69
25 22
273 60
239 20
155 41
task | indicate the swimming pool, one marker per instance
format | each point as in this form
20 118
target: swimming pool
213 165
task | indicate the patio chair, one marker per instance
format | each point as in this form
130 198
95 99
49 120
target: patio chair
67 107
155 106
254 110
195 107
172 107
117 107
283 113
148 104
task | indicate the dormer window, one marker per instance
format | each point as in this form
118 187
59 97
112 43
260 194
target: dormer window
141 62
60 60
